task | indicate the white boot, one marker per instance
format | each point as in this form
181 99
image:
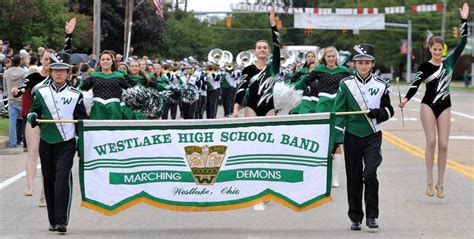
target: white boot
336 167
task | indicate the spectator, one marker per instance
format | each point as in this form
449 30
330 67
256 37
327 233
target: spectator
12 78
39 54
9 52
92 61
33 63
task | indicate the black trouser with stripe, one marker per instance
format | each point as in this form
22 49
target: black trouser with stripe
201 106
212 100
362 158
173 107
188 110
227 101
56 165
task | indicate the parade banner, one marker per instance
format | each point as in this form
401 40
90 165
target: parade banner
206 165
340 22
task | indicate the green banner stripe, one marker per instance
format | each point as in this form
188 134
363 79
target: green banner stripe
248 174
134 166
131 162
273 162
275 155
277 159
125 159
261 174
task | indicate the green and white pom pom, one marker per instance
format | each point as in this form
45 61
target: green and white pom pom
285 96
189 94
172 94
146 100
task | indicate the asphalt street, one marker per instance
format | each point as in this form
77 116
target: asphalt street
405 210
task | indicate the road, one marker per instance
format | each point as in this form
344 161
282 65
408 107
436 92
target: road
405 210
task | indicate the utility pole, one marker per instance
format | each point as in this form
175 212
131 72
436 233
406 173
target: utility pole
409 51
472 53
127 33
97 30
443 20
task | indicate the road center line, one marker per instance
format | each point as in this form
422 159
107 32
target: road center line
420 153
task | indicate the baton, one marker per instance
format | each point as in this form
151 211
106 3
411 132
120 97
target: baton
400 99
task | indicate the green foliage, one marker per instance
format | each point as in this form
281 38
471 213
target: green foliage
188 36
41 23
4 126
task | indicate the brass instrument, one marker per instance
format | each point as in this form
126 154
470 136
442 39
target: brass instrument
169 67
245 58
229 67
211 68
220 57
215 55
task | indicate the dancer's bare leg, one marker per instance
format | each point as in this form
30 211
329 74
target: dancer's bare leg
249 112
428 120
32 140
270 113
444 128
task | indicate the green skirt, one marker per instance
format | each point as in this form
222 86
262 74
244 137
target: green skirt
112 110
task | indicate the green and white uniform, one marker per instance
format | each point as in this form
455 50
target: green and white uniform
357 94
57 145
107 90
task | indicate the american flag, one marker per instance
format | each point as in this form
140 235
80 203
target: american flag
158 7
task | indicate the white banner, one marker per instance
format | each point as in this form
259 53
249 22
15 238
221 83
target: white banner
206 165
340 22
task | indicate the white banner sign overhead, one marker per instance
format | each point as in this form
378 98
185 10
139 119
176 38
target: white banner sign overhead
340 22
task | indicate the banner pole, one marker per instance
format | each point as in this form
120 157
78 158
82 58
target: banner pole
353 112
44 121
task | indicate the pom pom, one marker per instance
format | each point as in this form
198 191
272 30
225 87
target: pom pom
285 96
189 93
148 101
172 94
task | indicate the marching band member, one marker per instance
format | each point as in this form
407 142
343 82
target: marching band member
190 92
107 84
201 83
259 78
139 76
435 112
229 86
173 80
57 148
363 136
213 89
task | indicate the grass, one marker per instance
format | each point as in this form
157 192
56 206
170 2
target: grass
469 88
4 126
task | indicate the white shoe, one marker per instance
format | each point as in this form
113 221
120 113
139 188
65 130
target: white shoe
336 167
259 207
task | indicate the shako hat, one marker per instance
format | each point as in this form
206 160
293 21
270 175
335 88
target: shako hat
364 52
60 61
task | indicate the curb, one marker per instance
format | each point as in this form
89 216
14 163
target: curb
3 142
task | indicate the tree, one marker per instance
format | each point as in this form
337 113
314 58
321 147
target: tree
147 31
41 23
